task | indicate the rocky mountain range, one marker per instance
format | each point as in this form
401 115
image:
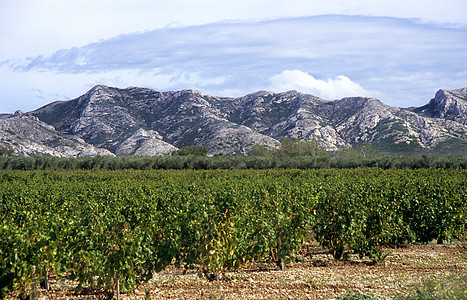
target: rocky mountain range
140 121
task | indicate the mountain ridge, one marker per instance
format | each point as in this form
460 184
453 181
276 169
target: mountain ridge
142 121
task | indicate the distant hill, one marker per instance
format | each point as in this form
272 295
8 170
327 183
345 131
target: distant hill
141 121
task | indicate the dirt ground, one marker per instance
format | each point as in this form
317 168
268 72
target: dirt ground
314 276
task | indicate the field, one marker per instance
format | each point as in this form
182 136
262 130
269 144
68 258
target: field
440 268
232 234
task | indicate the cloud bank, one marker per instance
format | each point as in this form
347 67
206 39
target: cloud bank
400 61
339 87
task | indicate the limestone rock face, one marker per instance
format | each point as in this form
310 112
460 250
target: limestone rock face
145 143
30 136
447 104
141 121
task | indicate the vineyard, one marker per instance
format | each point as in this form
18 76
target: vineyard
111 231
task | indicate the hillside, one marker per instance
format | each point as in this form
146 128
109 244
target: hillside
140 121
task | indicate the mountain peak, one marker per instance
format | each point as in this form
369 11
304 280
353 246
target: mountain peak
142 121
192 91
447 104
98 88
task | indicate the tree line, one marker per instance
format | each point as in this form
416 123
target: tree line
292 154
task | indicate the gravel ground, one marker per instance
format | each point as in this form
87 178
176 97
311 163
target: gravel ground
315 276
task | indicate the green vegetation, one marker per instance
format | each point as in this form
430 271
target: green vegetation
290 148
109 228
7 151
364 150
292 154
191 150
197 162
451 287
452 146
356 296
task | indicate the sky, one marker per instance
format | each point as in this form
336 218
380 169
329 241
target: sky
400 52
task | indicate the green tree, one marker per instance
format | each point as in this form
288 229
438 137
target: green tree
366 150
291 147
191 150
259 150
363 150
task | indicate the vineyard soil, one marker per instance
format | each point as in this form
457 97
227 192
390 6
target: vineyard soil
315 276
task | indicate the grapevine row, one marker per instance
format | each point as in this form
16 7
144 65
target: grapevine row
117 228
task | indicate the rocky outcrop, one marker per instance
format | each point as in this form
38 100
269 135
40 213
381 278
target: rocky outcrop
447 104
27 135
109 117
141 121
145 143
345 122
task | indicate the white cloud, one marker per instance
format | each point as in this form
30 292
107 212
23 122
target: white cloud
42 27
336 88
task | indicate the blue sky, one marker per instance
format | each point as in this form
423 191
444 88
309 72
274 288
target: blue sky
400 52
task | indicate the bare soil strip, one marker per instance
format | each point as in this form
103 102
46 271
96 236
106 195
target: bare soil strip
315 276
